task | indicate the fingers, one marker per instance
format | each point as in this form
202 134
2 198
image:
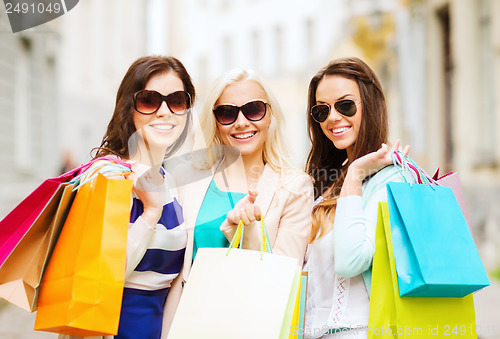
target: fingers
406 150
252 195
245 210
395 146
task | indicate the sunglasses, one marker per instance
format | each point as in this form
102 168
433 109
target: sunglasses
228 114
322 111
149 102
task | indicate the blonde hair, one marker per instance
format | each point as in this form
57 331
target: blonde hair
275 152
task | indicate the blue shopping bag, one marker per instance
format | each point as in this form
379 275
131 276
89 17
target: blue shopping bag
434 250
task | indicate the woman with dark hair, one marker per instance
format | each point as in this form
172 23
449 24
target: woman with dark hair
150 122
351 163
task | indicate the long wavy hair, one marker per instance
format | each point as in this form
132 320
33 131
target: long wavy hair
326 164
275 152
121 127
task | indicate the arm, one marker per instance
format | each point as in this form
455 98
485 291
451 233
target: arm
173 298
355 221
295 223
354 231
140 233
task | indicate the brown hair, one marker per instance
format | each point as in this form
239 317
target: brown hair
325 161
121 127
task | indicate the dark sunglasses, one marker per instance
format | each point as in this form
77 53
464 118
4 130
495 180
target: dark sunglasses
345 107
228 114
149 102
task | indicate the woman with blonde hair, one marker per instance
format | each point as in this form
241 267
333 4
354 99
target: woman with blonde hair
245 174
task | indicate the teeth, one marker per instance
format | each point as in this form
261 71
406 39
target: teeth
165 127
243 135
340 130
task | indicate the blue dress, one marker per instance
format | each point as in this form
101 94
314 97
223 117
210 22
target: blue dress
147 287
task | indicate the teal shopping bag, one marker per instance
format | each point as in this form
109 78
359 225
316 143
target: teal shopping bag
434 250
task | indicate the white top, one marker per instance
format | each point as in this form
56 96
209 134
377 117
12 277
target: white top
337 296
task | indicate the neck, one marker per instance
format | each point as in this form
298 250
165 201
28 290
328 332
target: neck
254 165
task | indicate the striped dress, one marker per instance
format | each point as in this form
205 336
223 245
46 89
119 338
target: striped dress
154 258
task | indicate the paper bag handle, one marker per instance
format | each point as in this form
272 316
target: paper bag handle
407 166
237 241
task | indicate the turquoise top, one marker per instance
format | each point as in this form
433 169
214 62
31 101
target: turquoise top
212 214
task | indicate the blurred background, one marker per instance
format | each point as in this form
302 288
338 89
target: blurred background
438 61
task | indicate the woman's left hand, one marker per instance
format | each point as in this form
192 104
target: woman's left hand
375 161
367 165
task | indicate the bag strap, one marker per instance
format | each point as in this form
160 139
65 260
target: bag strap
408 167
237 241
113 166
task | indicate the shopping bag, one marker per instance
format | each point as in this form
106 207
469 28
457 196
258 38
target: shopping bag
34 208
393 316
434 251
17 223
452 180
297 326
237 294
21 272
81 289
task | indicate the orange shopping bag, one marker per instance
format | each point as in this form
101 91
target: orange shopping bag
81 289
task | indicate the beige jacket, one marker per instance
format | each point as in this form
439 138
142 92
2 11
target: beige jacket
285 200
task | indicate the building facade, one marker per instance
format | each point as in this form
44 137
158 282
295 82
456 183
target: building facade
452 75
28 109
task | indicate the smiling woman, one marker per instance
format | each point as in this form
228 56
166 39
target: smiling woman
241 120
150 122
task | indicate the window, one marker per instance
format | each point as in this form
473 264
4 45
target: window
255 49
486 110
22 146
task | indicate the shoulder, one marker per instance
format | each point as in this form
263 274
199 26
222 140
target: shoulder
385 175
381 178
188 169
295 181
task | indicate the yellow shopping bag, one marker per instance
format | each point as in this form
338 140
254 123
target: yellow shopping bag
392 316
81 289
297 326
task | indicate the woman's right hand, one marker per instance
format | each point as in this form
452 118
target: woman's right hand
245 210
147 183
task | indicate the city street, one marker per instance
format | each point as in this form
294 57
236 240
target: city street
16 323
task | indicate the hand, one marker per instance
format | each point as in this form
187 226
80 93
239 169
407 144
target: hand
147 186
367 165
375 161
245 210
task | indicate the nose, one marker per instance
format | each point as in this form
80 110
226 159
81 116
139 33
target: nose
163 110
334 115
241 120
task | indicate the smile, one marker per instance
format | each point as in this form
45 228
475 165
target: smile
340 130
242 136
164 127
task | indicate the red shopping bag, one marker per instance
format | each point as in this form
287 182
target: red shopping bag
22 271
17 223
31 210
